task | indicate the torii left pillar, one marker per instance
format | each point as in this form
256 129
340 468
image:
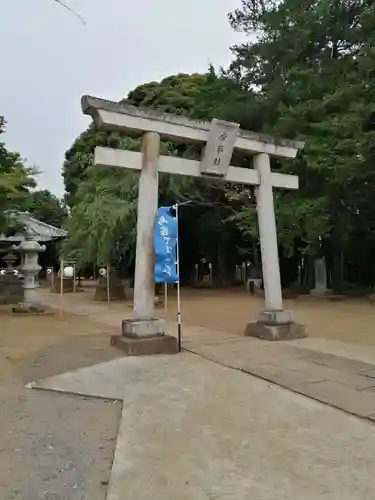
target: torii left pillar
144 333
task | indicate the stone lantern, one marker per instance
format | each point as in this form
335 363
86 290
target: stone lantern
10 259
29 250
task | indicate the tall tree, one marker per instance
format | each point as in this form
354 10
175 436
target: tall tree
15 182
46 207
312 65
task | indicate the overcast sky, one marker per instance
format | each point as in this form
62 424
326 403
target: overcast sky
49 59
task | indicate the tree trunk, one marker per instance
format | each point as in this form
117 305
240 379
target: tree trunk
307 272
337 270
222 264
256 256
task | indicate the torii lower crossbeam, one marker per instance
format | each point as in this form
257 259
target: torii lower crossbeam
261 176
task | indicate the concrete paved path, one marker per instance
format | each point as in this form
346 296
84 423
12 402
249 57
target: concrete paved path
335 373
346 384
195 430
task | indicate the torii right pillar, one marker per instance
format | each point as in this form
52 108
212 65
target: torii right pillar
274 323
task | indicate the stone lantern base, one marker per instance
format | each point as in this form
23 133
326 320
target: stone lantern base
29 309
29 305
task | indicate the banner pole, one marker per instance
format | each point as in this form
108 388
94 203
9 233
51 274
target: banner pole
165 297
178 286
61 287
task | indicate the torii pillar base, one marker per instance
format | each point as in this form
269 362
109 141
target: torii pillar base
142 337
275 325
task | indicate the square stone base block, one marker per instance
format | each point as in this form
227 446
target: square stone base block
142 328
266 331
32 309
320 292
162 344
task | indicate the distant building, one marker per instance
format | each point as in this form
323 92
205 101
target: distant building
38 230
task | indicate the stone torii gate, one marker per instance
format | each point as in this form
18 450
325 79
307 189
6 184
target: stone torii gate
145 333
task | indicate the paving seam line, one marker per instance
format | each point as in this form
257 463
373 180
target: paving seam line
262 377
82 395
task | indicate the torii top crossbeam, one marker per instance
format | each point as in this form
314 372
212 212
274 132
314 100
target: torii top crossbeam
136 121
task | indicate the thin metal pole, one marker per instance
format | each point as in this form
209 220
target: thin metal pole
61 286
74 278
108 284
53 284
179 333
165 297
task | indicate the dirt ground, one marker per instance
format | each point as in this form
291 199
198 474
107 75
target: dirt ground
53 446
25 338
230 310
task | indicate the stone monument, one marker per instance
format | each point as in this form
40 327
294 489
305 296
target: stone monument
254 279
145 333
320 273
11 289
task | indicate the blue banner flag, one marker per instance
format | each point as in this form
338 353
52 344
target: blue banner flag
165 245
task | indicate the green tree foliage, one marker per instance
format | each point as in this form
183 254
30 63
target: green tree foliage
198 96
313 66
15 182
80 156
46 207
101 224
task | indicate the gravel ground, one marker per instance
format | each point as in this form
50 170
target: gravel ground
53 446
